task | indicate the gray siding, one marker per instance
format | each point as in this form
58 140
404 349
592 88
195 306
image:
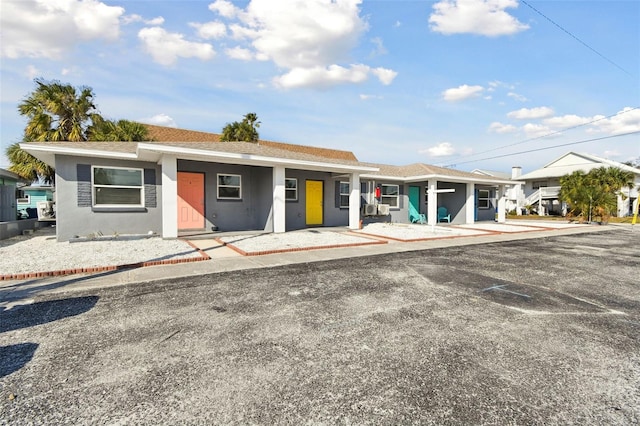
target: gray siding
76 217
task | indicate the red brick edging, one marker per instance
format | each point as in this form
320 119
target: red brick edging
289 250
95 269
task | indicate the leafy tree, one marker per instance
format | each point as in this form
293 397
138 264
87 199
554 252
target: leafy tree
594 193
60 112
27 166
245 131
57 112
116 131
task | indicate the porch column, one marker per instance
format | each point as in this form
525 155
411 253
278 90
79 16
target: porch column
354 201
432 203
470 205
169 196
279 203
502 204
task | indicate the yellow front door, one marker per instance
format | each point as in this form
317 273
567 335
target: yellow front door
314 202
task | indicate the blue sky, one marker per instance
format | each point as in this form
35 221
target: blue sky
461 83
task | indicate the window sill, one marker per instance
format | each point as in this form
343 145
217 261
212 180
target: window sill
117 209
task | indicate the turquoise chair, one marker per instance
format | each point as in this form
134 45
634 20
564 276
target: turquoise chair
415 216
443 214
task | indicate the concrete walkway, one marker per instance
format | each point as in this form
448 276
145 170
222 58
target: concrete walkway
225 259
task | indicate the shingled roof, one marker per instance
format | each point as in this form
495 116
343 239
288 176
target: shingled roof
171 134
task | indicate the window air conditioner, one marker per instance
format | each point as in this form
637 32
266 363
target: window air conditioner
370 210
383 209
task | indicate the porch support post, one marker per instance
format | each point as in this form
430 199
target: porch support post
169 196
432 203
279 203
354 201
502 204
470 205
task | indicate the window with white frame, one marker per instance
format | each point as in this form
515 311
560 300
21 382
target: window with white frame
229 187
390 195
344 195
291 189
117 186
22 198
483 199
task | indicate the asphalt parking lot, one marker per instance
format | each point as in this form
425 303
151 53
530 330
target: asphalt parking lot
542 331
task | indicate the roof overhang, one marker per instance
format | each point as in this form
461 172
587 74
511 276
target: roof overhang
442 178
47 153
154 153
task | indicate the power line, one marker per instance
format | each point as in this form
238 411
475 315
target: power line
546 135
548 147
577 39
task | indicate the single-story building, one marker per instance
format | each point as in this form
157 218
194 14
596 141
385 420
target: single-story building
8 185
36 202
186 181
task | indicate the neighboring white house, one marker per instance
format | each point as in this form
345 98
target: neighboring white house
541 187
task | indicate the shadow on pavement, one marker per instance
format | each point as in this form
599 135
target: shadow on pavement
14 357
44 312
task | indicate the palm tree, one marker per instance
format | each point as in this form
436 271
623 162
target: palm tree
60 112
245 131
57 112
27 166
115 131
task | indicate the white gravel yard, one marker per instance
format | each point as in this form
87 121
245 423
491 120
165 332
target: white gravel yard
405 232
41 252
294 240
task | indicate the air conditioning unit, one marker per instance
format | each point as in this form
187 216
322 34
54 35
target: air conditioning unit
46 210
370 210
383 209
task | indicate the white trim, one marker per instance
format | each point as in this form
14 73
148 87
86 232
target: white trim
441 178
279 202
251 159
169 197
288 189
239 186
94 186
354 201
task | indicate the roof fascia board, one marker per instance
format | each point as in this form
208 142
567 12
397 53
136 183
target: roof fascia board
47 153
250 159
442 178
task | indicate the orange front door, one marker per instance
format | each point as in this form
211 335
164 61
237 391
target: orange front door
190 200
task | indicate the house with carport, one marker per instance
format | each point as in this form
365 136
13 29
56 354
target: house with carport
186 182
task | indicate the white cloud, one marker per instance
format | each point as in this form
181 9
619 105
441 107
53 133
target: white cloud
517 97
322 77
379 48
365 97
129 19
224 8
536 130
531 113
32 72
443 149
501 128
239 53
625 121
462 92
42 28
165 47
565 121
210 30
160 120
484 17
386 76
309 39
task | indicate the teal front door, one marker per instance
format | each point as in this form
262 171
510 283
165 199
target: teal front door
414 203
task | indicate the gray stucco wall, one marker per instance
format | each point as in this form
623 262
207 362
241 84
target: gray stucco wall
253 211
332 214
454 201
72 220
